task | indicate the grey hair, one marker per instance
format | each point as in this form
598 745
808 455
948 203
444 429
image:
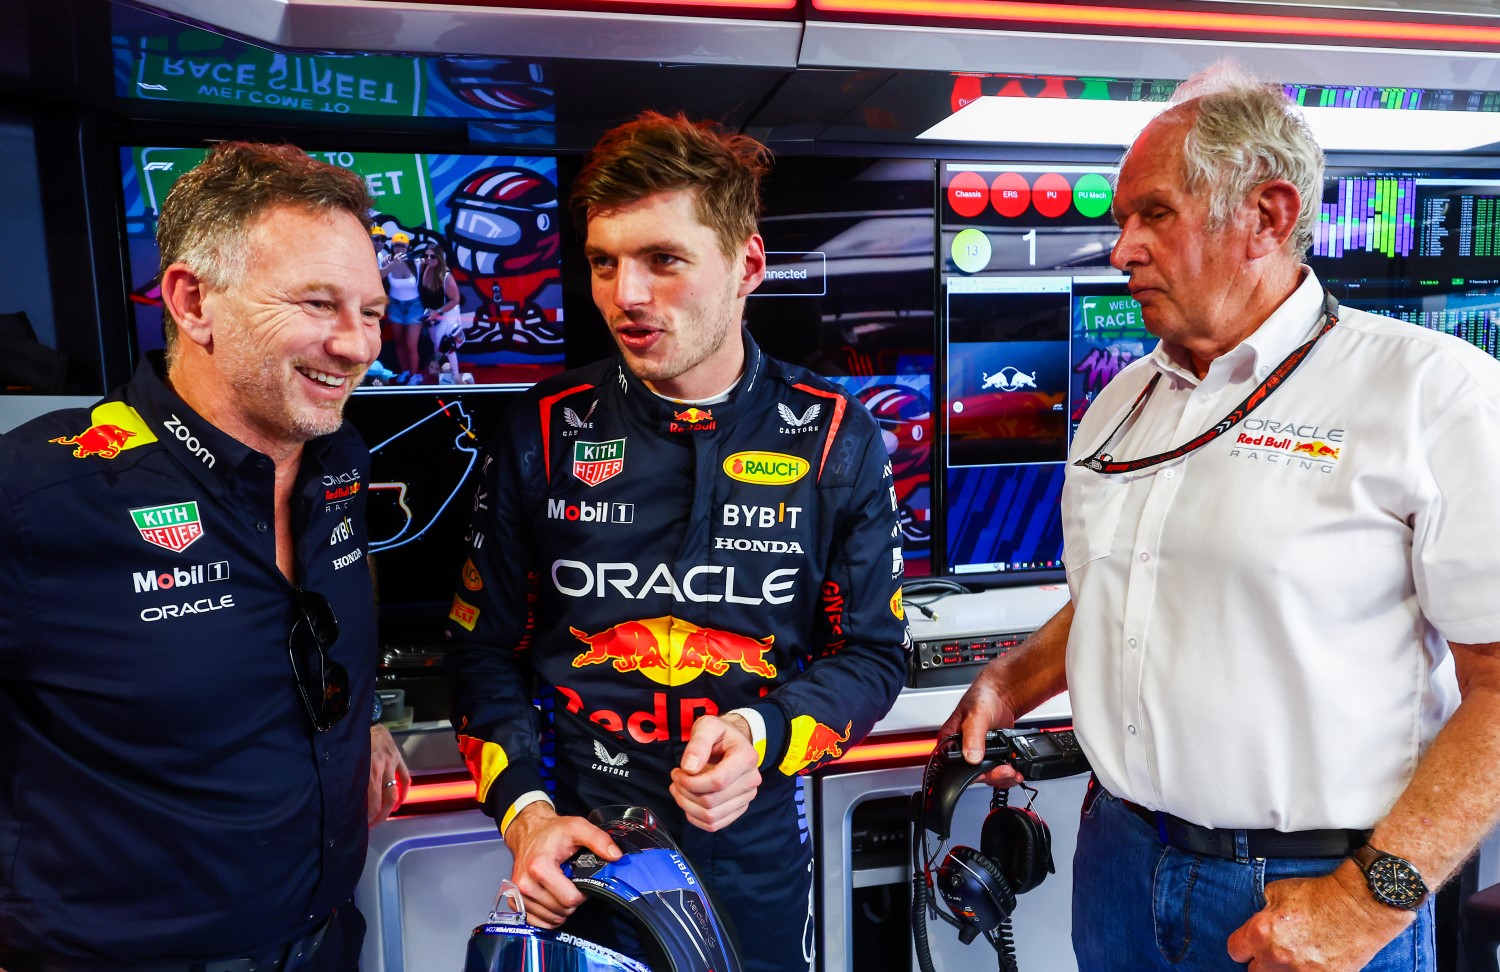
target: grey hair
1243 131
207 218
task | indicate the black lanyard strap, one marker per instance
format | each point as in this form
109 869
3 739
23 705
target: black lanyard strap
1103 463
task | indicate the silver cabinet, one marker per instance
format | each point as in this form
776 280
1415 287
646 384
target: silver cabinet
862 895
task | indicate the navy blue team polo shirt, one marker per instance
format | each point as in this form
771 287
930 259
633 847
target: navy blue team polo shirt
162 790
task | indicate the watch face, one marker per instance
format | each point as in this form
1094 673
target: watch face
1395 882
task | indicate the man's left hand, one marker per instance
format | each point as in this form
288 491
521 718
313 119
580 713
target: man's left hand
717 778
1325 924
389 778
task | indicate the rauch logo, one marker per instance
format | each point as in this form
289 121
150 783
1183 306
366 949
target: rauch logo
766 468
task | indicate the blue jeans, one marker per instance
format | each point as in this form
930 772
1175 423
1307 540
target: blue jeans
1139 905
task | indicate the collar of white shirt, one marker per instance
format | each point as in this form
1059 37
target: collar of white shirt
1289 326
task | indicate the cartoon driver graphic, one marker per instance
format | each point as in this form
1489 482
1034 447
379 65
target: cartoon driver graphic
505 243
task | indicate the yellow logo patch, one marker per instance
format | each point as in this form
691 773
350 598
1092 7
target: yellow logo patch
464 613
116 427
766 468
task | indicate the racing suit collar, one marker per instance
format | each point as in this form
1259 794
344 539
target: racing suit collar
674 419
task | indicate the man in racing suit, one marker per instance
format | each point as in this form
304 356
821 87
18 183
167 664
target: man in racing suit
689 554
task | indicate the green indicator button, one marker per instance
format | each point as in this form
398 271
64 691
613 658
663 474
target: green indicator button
971 250
1092 195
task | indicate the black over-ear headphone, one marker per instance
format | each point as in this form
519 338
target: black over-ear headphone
980 886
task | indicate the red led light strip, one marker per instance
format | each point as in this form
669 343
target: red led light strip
863 753
1468 36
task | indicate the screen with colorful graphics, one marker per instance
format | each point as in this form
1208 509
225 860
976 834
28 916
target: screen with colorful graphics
492 219
849 294
157 59
1035 324
1422 246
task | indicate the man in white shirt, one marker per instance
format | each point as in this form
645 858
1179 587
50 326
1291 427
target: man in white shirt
1281 535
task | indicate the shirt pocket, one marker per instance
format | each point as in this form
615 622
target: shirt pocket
1091 505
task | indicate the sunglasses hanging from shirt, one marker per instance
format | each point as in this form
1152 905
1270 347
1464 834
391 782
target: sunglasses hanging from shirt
1101 462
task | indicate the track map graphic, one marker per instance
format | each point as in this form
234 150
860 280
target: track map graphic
417 472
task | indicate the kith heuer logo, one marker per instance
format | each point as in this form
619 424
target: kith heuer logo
174 526
594 462
599 512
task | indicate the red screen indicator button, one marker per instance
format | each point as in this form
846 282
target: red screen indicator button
968 193
1010 194
1052 195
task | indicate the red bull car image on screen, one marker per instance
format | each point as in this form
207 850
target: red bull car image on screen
652 881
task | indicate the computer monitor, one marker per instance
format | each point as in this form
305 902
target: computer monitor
493 217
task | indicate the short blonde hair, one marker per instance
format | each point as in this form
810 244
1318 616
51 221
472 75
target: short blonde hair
655 153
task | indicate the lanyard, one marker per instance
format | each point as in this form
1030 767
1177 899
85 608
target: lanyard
1103 463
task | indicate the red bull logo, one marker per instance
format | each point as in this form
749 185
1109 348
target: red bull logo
115 428
645 726
1317 449
670 651
104 441
693 419
812 743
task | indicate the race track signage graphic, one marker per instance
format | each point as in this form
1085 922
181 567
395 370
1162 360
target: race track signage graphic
175 526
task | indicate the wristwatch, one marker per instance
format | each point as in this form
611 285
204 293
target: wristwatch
1393 880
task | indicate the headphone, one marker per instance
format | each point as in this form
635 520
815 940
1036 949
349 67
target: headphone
979 887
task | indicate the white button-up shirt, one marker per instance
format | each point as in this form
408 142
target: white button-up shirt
1260 630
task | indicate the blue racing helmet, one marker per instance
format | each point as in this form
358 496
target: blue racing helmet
652 881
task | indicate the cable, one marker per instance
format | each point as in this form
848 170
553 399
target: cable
937 586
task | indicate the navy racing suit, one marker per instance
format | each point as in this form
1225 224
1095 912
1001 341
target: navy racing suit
635 564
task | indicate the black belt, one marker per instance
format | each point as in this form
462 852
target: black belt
288 957
1237 844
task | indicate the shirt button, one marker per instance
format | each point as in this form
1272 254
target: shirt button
1145 556
1203 399
327 757
261 526
1131 642
1130 729
330 845
1170 474
260 464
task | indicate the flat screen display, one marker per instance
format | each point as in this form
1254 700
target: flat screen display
851 246
1035 324
1422 246
425 452
493 217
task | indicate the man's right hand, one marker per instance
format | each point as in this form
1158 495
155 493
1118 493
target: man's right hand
982 708
540 841
1012 685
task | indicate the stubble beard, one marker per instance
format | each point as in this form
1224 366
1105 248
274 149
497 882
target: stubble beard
267 387
686 356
